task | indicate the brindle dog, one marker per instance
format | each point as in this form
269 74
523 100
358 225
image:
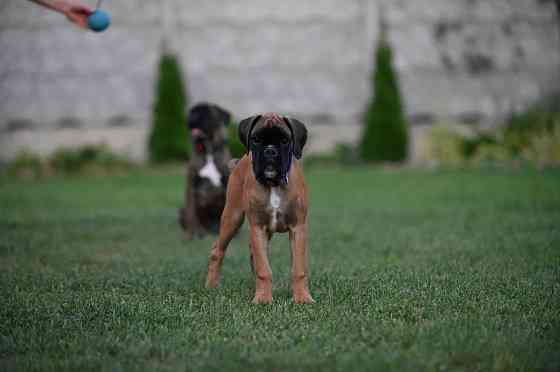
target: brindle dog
207 170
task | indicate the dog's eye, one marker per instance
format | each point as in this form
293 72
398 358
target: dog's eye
285 140
256 140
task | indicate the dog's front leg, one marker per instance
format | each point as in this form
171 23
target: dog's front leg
232 219
230 222
300 266
263 273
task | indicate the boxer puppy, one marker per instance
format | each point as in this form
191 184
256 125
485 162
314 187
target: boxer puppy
207 170
267 187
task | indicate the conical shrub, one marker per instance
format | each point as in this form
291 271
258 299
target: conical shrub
168 140
385 132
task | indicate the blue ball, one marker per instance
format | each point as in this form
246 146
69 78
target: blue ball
99 20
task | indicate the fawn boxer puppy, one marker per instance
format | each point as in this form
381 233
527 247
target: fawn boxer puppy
267 187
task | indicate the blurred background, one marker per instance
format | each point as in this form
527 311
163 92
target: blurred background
463 65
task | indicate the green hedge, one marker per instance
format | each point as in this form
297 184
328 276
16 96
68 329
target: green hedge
531 137
168 141
385 134
84 160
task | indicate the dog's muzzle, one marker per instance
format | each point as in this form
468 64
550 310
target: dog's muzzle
270 155
271 163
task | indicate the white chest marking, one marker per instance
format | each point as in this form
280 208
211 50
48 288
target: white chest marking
274 198
275 205
211 172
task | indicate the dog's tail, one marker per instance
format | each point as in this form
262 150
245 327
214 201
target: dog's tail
232 164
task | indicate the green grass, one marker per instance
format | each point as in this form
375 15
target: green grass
411 270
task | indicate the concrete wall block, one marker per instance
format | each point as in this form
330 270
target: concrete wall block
46 100
286 49
478 49
401 12
446 96
21 52
18 99
322 138
503 9
460 96
134 12
285 92
127 141
537 44
413 47
119 51
21 14
68 53
243 12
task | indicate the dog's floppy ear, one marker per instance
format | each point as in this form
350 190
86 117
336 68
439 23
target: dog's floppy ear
226 116
244 129
299 132
194 117
222 113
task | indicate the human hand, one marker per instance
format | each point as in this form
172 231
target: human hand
76 12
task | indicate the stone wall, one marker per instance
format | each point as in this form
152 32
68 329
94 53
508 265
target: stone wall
466 60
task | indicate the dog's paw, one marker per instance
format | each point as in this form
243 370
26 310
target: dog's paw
303 298
193 234
211 282
262 299
212 279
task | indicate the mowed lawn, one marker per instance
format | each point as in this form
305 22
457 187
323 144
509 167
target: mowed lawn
412 270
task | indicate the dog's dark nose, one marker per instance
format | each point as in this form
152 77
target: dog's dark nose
270 152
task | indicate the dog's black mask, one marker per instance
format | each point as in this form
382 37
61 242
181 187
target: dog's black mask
272 145
272 157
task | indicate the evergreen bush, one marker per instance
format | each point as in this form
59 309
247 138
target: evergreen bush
168 140
385 133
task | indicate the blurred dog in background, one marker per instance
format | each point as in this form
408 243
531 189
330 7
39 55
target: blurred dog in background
207 170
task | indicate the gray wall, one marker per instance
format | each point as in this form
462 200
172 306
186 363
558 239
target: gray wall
467 60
